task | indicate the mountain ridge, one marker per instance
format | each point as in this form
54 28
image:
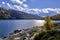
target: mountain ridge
8 14
14 14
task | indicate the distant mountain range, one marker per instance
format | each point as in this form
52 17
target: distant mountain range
14 14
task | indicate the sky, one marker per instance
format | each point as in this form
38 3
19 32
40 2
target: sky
32 6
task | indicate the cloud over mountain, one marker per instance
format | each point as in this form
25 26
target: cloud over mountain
19 8
22 5
44 10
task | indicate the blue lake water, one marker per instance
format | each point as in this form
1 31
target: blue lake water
8 26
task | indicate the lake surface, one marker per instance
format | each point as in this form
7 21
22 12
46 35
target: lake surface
8 26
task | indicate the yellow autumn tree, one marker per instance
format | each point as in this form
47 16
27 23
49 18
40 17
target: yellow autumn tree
48 24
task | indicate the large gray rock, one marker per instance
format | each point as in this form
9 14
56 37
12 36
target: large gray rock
1 39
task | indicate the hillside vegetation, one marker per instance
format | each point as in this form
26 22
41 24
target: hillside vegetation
56 17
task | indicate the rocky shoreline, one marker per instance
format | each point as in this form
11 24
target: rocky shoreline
28 34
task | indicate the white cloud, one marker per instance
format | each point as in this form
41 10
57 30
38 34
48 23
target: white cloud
34 11
17 7
3 2
57 10
22 6
45 10
18 1
8 5
25 5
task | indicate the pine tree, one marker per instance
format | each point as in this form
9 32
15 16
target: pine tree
48 24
